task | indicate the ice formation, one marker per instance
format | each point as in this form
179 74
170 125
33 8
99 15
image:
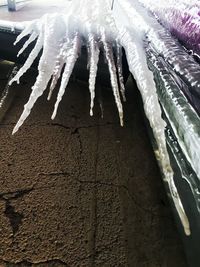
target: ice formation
181 17
132 41
60 37
94 28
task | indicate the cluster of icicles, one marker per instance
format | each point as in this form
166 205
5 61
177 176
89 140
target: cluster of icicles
60 37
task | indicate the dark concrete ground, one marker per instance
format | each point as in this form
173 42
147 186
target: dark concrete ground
82 191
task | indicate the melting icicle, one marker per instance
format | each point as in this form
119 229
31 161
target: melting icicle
71 58
112 69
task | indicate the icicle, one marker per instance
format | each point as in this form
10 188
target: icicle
112 69
93 63
137 62
53 31
71 58
28 30
32 38
59 66
120 71
88 24
138 67
34 53
89 18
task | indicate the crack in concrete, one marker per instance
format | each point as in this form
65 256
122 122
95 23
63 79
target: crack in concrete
125 188
93 207
19 193
65 126
77 128
93 219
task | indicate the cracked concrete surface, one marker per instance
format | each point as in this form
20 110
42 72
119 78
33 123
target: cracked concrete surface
81 190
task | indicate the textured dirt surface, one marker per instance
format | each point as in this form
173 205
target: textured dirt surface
81 191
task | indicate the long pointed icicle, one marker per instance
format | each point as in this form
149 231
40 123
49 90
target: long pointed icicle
60 61
120 71
34 53
138 67
90 17
113 75
93 63
72 56
50 50
152 109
